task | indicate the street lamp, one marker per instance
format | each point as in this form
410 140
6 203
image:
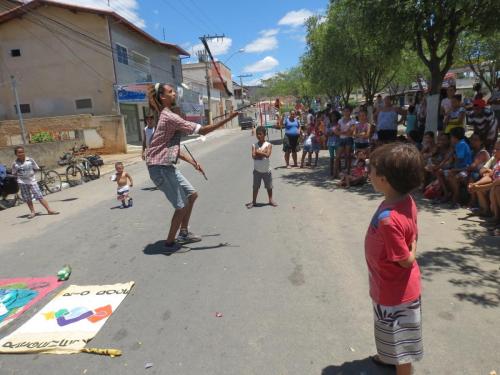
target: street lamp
241 50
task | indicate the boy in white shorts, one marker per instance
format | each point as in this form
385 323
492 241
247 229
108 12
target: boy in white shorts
122 193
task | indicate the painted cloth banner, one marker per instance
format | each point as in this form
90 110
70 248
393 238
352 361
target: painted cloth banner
69 321
19 294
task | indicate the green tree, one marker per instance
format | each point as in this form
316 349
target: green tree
482 55
434 27
325 63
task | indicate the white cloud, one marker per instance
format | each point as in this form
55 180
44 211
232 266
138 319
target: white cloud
295 18
128 9
269 32
218 47
266 64
262 44
301 38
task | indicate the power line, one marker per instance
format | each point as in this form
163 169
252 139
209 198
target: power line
200 9
196 14
195 24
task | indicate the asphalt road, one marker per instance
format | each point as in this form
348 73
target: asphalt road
291 282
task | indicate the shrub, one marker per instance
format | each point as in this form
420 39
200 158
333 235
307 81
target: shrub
42 137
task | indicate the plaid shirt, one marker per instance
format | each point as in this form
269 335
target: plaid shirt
165 143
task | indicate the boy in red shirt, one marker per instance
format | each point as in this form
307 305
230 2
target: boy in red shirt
390 251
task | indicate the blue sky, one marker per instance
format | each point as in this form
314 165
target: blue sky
270 31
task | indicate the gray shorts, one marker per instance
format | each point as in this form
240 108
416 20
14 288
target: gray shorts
172 183
259 176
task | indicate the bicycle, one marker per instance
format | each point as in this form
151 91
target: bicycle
80 167
50 181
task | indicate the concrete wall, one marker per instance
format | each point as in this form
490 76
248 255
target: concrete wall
56 66
105 134
161 58
46 154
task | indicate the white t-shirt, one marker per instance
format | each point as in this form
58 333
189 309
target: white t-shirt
446 105
262 165
345 126
25 171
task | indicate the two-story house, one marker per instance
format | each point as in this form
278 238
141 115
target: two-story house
70 59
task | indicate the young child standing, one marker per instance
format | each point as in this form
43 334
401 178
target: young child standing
261 152
24 169
122 193
390 251
346 141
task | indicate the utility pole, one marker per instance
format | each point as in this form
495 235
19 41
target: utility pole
164 37
241 76
204 57
18 107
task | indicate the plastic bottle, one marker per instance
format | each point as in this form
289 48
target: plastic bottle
64 273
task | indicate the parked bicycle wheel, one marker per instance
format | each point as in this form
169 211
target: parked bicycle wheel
94 172
74 175
52 181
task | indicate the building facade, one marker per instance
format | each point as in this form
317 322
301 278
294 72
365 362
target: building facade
70 60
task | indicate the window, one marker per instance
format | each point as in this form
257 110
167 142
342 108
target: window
15 52
25 108
173 71
83 103
122 54
140 62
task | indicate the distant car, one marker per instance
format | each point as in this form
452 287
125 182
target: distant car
246 122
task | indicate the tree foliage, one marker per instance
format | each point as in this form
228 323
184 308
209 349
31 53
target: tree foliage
482 55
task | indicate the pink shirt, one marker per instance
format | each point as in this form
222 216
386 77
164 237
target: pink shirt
388 240
165 143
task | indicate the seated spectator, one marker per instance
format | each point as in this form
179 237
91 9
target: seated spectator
358 174
484 122
479 156
480 189
462 158
429 146
455 117
439 163
415 138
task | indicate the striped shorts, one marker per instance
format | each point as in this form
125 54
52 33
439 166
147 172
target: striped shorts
398 332
30 192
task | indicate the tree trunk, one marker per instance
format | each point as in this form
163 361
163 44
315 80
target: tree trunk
431 121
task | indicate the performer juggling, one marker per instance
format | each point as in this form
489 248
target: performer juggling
162 156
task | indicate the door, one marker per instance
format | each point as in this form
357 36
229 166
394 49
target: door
132 124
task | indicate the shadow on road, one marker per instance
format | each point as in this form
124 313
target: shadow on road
67 200
359 366
473 267
152 188
158 248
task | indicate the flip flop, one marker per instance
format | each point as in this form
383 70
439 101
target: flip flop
31 216
375 359
249 205
53 213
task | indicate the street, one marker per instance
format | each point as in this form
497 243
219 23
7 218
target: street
290 282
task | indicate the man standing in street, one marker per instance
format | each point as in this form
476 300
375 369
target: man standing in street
161 159
485 124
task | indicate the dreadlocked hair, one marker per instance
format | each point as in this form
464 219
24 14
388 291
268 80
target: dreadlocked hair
154 92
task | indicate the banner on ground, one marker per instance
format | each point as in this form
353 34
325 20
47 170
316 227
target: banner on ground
69 321
19 294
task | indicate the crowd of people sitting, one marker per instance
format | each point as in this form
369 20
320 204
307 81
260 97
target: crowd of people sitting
462 159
